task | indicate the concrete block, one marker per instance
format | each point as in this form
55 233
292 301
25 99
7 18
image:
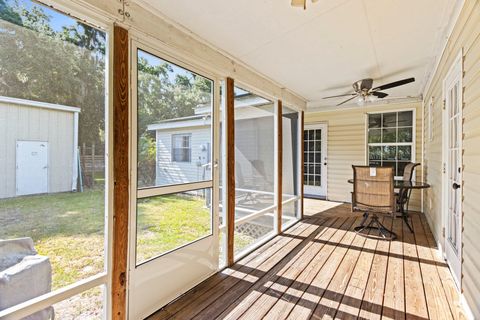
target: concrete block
23 275
14 250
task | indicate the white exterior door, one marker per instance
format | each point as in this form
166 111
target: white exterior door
453 169
31 167
315 160
173 231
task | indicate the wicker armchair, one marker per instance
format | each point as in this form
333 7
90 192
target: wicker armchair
403 196
373 193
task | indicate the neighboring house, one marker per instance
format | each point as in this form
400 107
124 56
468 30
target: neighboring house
38 147
183 149
183 145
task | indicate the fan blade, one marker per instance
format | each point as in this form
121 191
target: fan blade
299 3
347 100
380 94
341 95
394 84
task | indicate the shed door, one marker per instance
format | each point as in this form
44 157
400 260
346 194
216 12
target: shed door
32 167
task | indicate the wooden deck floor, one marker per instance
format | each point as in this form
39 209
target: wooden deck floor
320 268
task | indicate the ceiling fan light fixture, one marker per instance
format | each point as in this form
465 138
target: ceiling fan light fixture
361 100
301 3
363 91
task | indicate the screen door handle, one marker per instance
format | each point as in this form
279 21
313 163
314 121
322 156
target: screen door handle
455 186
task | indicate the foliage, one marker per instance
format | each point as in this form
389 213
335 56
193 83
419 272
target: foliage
63 67
163 94
7 14
67 66
146 161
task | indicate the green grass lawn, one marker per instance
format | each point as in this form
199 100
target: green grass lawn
167 222
66 227
69 229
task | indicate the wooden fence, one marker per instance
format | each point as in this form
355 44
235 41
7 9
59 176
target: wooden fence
92 162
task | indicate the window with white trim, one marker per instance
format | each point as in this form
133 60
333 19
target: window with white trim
181 148
391 140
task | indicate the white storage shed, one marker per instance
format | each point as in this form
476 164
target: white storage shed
38 147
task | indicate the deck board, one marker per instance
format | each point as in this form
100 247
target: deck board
443 272
331 299
294 293
315 291
236 284
256 292
415 299
265 295
320 268
437 304
252 261
394 298
352 299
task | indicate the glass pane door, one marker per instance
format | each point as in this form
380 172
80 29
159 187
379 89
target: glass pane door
314 165
452 145
454 170
172 216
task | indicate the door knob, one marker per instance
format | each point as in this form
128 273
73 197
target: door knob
324 163
455 186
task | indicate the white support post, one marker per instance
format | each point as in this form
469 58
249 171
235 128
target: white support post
276 167
224 188
300 164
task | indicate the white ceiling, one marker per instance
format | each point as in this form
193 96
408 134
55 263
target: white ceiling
323 50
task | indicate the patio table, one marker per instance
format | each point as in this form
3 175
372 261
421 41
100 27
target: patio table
403 187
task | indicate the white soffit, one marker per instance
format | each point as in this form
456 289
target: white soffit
321 51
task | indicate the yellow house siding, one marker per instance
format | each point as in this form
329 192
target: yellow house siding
347 144
465 36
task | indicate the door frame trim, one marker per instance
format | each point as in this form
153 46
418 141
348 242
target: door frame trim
134 270
324 126
457 63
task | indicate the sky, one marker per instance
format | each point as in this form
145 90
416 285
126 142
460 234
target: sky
155 61
57 20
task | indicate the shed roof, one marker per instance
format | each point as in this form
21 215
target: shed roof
38 104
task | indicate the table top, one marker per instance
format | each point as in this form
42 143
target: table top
400 184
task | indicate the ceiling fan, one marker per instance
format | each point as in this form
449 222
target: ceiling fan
363 89
301 3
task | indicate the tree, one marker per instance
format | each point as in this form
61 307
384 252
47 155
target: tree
64 67
67 66
7 14
164 94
